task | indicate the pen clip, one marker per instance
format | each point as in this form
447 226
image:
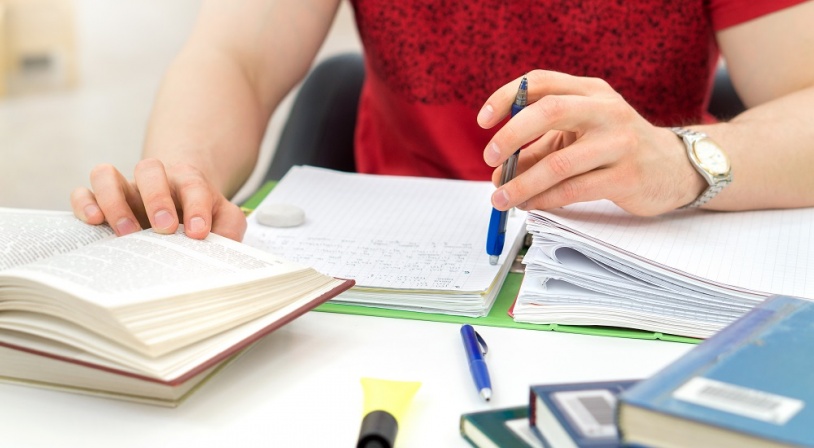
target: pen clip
481 343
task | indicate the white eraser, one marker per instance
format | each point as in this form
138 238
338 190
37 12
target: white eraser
280 215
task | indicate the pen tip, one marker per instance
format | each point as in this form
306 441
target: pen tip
486 394
493 259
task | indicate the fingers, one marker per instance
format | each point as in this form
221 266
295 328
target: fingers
590 186
156 195
541 83
554 168
576 114
114 196
159 198
83 203
229 221
204 208
535 152
197 199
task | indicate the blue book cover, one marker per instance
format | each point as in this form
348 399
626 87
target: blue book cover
576 414
752 381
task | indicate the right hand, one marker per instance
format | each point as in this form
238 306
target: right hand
160 198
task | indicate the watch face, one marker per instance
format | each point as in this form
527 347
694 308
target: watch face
711 157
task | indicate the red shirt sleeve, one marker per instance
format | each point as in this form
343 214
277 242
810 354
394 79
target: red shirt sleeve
727 13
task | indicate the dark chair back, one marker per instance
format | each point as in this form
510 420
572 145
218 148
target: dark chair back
320 128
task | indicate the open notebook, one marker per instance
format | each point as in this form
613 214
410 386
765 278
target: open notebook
688 273
410 243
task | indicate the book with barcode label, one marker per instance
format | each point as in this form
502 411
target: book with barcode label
751 384
576 414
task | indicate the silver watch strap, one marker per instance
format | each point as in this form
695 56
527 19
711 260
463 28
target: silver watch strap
708 194
683 132
689 137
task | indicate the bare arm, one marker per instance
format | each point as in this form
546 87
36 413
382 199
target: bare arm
209 118
771 62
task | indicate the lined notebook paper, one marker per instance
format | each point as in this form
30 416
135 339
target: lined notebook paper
409 242
688 272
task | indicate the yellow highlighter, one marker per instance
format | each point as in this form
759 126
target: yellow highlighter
386 401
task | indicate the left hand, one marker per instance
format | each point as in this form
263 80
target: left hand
581 142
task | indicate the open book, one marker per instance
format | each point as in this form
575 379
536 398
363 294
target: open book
410 243
688 273
145 316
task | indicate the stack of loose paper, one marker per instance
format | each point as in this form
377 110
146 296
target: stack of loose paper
688 273
410 243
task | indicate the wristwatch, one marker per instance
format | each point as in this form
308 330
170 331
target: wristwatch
708 159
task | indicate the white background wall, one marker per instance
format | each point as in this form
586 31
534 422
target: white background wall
49 142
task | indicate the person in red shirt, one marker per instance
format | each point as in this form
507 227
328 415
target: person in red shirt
608 80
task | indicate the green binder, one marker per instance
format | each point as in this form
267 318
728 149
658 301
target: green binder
497 317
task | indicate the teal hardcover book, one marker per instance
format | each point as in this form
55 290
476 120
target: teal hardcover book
576 414
751 384
505 428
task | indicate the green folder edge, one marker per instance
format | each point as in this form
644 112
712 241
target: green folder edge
498 316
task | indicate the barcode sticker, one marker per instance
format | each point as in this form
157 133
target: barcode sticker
590 411
739 400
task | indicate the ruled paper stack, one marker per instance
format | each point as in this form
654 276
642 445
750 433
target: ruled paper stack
410 243
687 273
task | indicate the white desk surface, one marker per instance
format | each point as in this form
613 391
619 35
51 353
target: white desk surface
300 387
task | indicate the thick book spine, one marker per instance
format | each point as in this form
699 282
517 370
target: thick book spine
576 414
488 429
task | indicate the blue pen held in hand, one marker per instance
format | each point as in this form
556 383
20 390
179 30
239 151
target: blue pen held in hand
497 224
475 348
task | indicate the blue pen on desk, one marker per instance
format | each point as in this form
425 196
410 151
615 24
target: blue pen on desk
497 223
475 349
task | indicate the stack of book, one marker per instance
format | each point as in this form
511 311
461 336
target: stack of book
750 385
145 317
557 415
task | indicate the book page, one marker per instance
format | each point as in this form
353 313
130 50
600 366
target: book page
390 232
154 293
30 235
146 265
521 428
167 360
